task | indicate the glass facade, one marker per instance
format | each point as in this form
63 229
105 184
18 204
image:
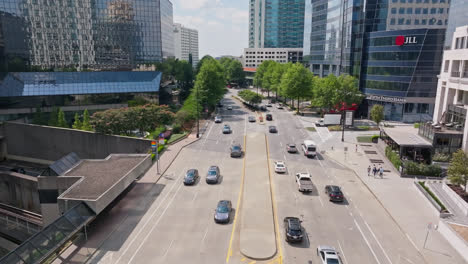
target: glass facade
167 29
457 17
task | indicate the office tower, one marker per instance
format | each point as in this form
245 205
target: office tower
186 43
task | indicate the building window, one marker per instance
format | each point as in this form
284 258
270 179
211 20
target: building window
416 21
393 10
401 21
408 21
410 1
446 65
409 108
462 43
423 22
417 11
432 21
433 10
441 10
435 1
392 21
423 109
409 11
401 10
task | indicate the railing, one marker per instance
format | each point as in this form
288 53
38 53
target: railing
465 74
16 218
455 74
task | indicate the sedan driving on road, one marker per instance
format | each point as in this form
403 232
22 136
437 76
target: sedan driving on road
272 129
334 193
212 176
191 177
280 167
280 106
227 129
218 119
293 229
269 117
236 151
223 212
251 118
291 148
328 255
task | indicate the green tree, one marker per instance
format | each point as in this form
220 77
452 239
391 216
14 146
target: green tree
325 90
200 63
258 77
377 113
61 121
458 169
53 117
348 91
38 117
277 75
268 80
86 125
297 83
235 72
210 84
77 123
250 97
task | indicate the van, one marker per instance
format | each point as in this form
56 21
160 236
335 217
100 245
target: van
310 148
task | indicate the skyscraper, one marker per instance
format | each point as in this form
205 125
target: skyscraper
186 43
276 23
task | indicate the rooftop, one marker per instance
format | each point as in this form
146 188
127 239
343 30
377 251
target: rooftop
100 175
405 135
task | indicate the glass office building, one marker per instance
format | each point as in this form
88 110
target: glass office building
276 23
458 17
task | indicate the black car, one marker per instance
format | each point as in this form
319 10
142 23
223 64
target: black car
236 151
212 176
191 177
293 229
334 193
269 117
223 211
272 129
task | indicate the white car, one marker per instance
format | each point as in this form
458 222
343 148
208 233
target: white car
218 119
328 255
280 106
280 167
268 105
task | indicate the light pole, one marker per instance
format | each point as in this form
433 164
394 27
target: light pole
198 118
343 122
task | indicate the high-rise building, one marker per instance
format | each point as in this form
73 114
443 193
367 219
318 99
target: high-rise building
75 36
276 23
363 39
186 43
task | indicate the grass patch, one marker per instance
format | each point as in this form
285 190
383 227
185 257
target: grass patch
334 128
442 207
175 137
312 129
416 125
364 139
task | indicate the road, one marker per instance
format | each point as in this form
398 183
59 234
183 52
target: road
178 227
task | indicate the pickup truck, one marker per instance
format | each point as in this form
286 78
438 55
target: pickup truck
304 182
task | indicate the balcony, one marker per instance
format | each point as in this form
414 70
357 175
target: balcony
455 74
465 74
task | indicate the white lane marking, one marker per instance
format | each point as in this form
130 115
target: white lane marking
285 157
217 141
380 245
167 250
207 136
342 252
194 197
409 260
367 242
281 143
320 199
154 225
150 217
204 236
412 242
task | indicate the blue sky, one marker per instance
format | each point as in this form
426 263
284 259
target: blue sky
222 24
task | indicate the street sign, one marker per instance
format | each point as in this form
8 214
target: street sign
153 143
349 120
161 141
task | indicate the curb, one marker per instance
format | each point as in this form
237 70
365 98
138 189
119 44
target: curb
381 204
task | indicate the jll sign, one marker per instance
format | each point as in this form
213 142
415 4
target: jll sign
401 40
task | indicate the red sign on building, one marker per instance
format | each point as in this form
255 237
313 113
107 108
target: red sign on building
399 40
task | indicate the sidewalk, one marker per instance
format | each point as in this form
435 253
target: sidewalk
400 199
136 198
458 216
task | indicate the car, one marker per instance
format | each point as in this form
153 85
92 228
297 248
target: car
236 151
223 211
334 193
272 129
280 106
304 182
319 122
263 108
229 108
218 119
280 167
191 177
269 117
291 148
328 255
293 229
269 105
252 119
227 129
212 176
219 104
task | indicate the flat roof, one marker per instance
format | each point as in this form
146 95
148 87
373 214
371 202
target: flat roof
405 135
100 175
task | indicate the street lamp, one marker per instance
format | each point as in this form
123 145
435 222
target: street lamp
198 118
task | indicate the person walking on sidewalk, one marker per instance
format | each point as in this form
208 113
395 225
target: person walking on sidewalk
374 170
368 170
381 172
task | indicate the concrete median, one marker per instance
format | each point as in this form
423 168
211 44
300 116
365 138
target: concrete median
257 228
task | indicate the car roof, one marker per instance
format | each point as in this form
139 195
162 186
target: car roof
223 202
279 162
214 167
334 188
292 145
309 142
191 170
304 174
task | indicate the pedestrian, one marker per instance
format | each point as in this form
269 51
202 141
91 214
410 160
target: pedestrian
374 170
381 172
356 147
368 170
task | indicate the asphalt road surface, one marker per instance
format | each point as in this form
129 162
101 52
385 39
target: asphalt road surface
178 227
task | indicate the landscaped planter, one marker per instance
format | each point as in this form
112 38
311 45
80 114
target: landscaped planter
459 201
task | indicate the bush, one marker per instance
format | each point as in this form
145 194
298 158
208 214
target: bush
177 129
442 207
393 157
441 157
363 127
416 125
375 138
364 139
334 128
413 168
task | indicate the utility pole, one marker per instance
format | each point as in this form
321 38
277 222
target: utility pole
343 122
198 118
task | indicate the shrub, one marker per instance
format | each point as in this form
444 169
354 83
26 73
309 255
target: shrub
441 157
363 127
375 138
364 139
442 207
334 128
413 168
177 129
416 125
393 157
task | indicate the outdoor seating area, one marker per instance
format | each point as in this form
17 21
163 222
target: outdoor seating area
445 137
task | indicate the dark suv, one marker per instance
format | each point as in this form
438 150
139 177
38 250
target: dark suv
293 229
191 177
213 174
334 193
269 117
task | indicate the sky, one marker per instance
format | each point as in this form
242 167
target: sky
222 24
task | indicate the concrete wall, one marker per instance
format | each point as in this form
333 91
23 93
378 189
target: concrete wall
50 143
20 191
456 199
454 239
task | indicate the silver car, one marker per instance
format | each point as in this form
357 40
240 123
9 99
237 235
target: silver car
223 211
218 119
213 175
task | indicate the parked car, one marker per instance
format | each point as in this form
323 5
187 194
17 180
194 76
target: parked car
293 229
272 129
334 193
280 167
304 182
220 104
252 119
280 106
229 108
223 211
263 108
236 151
328 255
191 177
269 117
212 176
269 105
227 129
291 148
218 119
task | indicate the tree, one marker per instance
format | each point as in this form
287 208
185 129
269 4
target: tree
377 113
277 75
61 121
235 72
258 78
200 63
38 117
250 97
325 90
268 80
210 83
53 117
77 123
348 91
297 83
458 169
86 125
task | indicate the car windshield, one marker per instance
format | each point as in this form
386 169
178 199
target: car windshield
222 209
311 148
305 179
212 172
279 165
236 148
190 174
332 261
292 146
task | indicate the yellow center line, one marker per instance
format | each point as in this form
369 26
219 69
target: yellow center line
229 254
252 262
275 210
